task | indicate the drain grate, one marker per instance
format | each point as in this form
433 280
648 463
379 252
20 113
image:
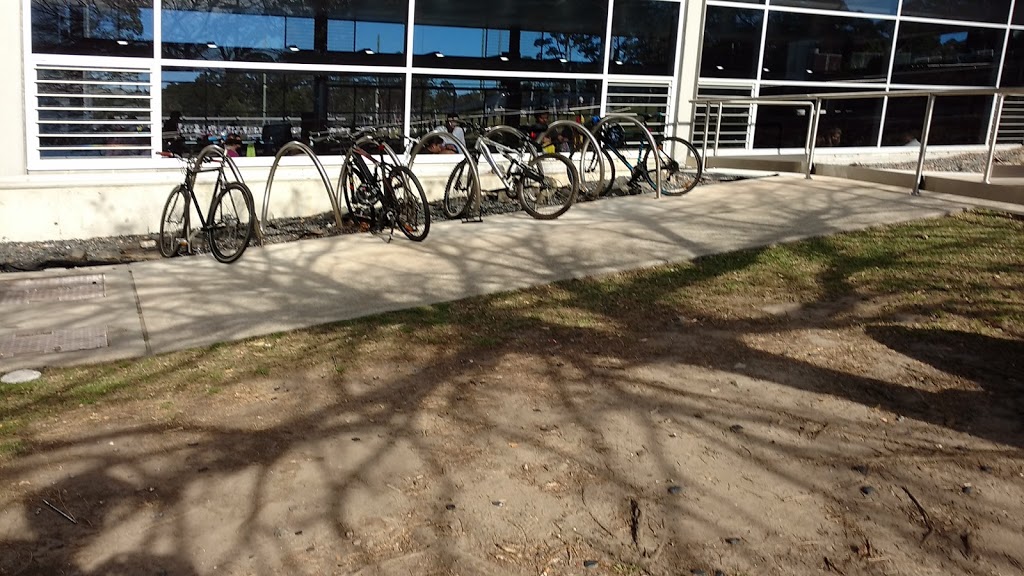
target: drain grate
60 289
53 341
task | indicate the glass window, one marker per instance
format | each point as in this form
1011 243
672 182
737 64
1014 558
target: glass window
732 40
946 54
869 6
644 36
1013 65
536 35
511 101
270 108
812 47
98 28
843 123
1018 13
956 120
370 33
977 10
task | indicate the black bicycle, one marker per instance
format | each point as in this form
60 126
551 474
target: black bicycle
681 164
382 193
229 223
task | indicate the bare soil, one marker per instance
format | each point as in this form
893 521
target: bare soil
776 438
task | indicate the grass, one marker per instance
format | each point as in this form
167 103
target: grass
958 273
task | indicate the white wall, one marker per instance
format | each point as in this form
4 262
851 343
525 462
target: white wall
12 89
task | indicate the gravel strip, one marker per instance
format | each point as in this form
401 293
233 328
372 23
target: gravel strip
971 162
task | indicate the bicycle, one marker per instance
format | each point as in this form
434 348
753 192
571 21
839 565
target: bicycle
386 196
681 164
229 223
546 184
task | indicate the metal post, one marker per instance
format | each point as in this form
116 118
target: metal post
812 135
928 113
707 126
718 126
995 136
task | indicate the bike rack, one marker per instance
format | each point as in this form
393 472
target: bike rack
348 156
592 141
211 151
475 172
647 134
288 147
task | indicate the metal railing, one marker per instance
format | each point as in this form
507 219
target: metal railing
814 101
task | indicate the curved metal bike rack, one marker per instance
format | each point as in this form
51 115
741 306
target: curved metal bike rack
348 157
214 151
647 134
288 147
592 141
475 172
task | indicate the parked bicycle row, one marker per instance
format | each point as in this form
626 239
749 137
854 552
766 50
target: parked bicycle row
545 170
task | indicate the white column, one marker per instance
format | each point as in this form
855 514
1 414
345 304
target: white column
14 101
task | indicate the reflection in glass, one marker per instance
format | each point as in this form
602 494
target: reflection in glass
99 28
819 48
538 35
1018 13
949 55
843 123
320 32
511 101
977 10
1013 65
269 108
868 6
956 120
732 38
644 36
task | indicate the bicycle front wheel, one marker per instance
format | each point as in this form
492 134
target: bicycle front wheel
589 167
232 218
548 186
174 223
681 167
411 209
459 190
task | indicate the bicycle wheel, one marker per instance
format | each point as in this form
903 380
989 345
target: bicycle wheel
681 167
232 218
548 186
458 191
174 227
360 196
411 209
589 170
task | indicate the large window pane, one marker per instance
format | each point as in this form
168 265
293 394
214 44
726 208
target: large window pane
537 35
820 48
732 39
949 55
510 101
843 123
644 36
1013 66
979 10
269 108
253 31
1018 13
98 28
956 120
869 6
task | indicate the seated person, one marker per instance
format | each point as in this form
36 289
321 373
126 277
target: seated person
451 125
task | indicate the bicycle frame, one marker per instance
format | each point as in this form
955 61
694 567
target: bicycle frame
516 164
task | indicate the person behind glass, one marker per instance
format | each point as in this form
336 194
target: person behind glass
173 141
451 124
231 145
539 128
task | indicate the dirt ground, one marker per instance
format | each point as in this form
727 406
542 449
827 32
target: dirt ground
781 439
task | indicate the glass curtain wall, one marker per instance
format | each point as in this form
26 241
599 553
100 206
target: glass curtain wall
783 47
275 70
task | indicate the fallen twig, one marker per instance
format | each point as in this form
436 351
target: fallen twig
583 496
61 512
833 567
924 514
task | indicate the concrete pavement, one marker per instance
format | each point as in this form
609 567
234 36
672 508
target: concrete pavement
66 317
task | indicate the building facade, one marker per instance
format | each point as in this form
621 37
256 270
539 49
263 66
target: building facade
96 87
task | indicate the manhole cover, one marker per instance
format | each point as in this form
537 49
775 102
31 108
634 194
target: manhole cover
59 289
20 376
52 341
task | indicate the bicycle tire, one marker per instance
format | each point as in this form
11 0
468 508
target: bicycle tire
411 208
232 220
681 169
174 223
458 191
544 191
590 172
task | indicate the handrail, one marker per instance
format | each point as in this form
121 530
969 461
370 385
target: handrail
815 100
288 147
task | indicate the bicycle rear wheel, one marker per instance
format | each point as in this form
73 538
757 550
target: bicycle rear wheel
174 223
361 197
411 209
681 167
548 186
589 168
459 190
232 218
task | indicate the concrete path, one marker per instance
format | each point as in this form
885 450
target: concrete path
99 314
